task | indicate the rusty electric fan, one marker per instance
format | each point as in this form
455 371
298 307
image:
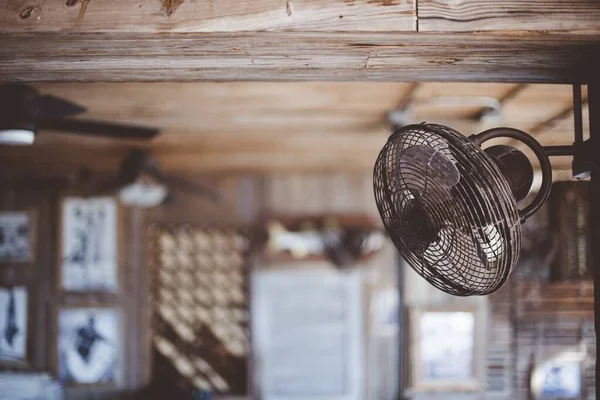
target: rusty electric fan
450 207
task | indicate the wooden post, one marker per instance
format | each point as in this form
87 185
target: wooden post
594 104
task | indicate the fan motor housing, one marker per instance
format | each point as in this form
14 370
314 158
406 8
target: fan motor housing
515 167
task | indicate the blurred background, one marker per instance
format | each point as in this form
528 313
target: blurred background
239 254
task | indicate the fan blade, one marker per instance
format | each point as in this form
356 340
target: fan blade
194 188
436 274
429 172
479 250
49 106
490 241
444 264
98 128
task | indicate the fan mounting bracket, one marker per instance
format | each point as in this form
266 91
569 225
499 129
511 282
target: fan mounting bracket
539 151
582 157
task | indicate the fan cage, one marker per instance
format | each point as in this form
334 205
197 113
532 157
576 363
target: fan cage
462 235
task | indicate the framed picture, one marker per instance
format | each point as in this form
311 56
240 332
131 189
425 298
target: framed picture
447 349
13 325
89 245
15 237
559 377
89 345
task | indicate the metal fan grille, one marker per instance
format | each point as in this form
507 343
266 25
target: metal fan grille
448 209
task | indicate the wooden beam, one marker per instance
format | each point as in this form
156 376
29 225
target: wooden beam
206 16
299 15
278 56
509 15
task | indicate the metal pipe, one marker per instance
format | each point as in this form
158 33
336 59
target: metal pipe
577 115
594 103
402 342
557 151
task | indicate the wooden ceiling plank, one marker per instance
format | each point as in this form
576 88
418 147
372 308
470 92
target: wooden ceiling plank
269 135
425 106
545 130
285 56
198 109
509 15
303 155
562 132
408 95
532 106
151 98
197 162
558 132
207 16
505 98
429 90
565 113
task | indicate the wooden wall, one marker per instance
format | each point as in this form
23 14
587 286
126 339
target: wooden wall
43 199
247 198
545 308
517 331
531 322
37 276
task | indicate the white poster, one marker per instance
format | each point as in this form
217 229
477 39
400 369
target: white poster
447 345
384 349
89 244
15 237
307 333
88 345
13 324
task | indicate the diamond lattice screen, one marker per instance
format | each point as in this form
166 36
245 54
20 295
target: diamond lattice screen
200 307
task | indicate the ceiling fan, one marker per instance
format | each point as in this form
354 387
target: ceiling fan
140 182
25 113
450 207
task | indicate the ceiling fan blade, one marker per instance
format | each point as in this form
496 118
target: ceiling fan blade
48 106
184 185
98 128
21 101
